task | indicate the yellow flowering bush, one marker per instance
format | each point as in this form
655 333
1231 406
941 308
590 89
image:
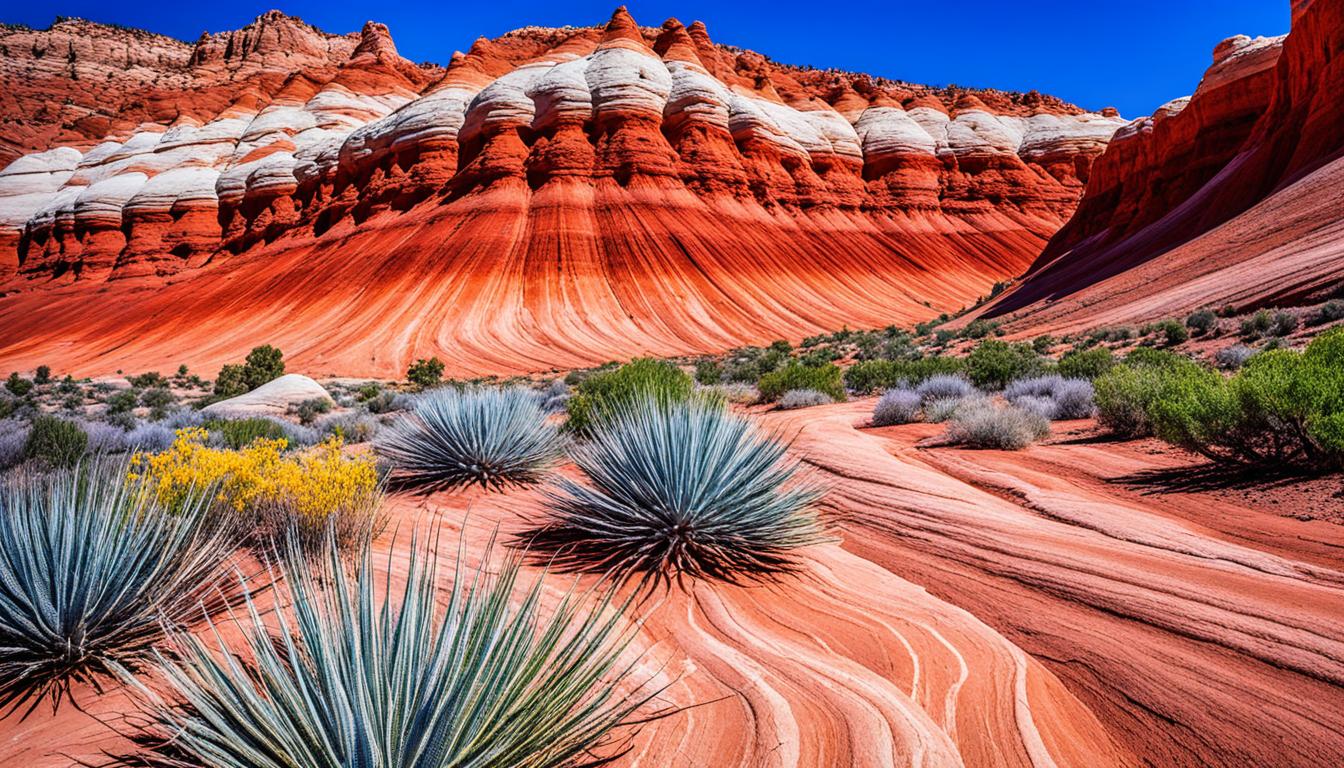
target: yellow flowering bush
308 489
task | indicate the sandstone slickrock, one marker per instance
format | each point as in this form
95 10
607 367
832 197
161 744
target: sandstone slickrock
570 187
1231 196
273 398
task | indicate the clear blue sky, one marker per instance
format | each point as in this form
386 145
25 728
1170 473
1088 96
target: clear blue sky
1134 55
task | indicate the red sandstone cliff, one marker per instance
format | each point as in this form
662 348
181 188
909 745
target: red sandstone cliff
1232 196
590 192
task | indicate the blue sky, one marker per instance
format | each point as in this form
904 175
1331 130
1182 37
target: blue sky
1134 55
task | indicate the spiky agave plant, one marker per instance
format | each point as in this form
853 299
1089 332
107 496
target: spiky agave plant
453 438
351 679
91 573
679 489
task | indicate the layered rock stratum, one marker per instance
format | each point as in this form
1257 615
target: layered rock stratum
1232 196
551 198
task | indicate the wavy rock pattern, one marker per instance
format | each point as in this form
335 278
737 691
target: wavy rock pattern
1231 196
563 168
982 608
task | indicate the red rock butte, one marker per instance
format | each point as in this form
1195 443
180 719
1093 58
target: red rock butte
1232 196
553 198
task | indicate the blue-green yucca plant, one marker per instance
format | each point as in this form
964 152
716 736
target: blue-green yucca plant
679 488
92 571
346 678
453 438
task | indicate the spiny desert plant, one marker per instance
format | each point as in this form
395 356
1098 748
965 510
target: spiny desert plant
679 489
897 406
803 398
453 438
93 570
355 679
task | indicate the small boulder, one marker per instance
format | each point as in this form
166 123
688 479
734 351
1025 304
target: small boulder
274 398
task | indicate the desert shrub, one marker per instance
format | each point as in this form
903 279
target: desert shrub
310 409
13 441
123 401
598 396
1121 333
69 386
182 371
17 385
183 417
230 382
383 402
425 373
263 364
1169 332
320 491
803 398
733 392
154 436
1329 312
1282 323
1086 363
158 400
103 438
493 437
992 364
1282 408
1257 325
873 375
708 371
363 677
148 380
1043 344
1202 321
368 391
349 427
827 379
1146 357
1123 396
988 425
42 375
944 386
555 396
978 329
94 571
239 433
940 410
897 406
55 442
678 489
72 403
1233 357
1053 397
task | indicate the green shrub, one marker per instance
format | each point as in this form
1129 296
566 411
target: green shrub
1202 321
263 364
124 401
368 391
1123 395
978 329
1171 332
425 373
1086 363
708 371
55 442
309 409
239 433
1043 344
157 399
827 379
1329 312
182 371
17 385
148 380
1282 323
599 395
43 375
992 364
1257 325
231 382
69 386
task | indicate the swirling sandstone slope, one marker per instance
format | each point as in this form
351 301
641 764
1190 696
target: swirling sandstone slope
982 608
557 197
1231 196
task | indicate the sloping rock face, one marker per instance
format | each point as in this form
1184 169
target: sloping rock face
274 398
1230 196
542 178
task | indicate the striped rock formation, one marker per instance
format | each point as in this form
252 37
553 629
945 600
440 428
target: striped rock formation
1231 196
535 182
